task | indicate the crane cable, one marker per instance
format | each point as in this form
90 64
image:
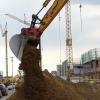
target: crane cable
80 6
60 37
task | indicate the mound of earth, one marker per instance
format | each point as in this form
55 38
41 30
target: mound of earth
54 88
38 85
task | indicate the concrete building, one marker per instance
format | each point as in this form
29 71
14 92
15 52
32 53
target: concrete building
62 70
81 71
59 70
88 66
92 59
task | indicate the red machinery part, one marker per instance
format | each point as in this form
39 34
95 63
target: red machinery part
33 32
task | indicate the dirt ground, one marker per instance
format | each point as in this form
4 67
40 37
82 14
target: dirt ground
54 88
40 85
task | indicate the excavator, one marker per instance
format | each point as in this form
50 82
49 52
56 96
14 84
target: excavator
27 47
17 42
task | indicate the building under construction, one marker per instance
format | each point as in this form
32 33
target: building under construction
87 67
92 59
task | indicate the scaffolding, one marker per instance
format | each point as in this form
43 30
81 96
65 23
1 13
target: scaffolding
92 54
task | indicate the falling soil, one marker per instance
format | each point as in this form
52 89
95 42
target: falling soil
38 85
34 83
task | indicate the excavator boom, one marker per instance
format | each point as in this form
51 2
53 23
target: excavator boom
51 14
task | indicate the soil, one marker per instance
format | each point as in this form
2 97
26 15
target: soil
38 85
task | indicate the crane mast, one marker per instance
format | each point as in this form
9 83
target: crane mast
6 51
69 49
4 34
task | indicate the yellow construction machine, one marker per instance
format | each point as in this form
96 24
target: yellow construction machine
18 41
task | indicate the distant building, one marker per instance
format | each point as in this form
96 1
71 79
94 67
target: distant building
59 70
92 59
1 75
81 71
90 55
78 70
88 66
62 69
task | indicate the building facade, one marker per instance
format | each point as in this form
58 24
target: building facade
92 59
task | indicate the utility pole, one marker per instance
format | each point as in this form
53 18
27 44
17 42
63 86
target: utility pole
69 49
12 64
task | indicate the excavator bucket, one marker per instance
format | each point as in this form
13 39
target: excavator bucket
17 43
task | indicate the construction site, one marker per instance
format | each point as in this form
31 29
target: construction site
86 69
72 79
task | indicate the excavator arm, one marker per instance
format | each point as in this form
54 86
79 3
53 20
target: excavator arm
46 20
17 42
51 14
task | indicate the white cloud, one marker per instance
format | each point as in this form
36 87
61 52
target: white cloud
51 57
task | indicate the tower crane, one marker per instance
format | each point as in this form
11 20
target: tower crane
69 49
4 34
18 19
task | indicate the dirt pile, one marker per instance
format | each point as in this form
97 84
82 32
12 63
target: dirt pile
40 85
58 89
34 83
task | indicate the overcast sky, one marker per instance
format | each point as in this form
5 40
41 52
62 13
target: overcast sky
83 41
